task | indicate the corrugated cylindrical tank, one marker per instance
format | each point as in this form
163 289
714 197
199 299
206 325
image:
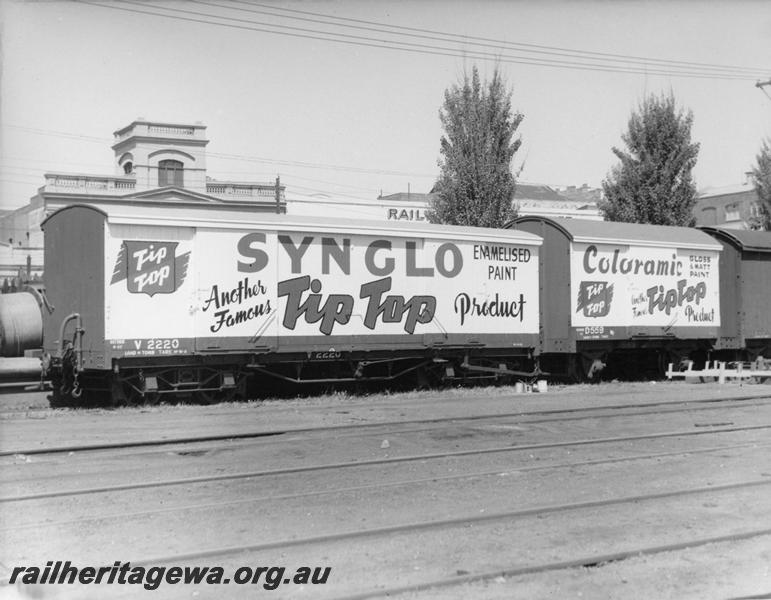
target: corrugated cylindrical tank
21 323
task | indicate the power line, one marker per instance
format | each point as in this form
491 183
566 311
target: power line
327 167
62 134
406 46
16 181
241 157
34 172
507 43
483 55
332 183
220 173
310 190
483 41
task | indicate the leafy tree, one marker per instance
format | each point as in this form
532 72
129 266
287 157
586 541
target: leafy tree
476 185
761 173
652 183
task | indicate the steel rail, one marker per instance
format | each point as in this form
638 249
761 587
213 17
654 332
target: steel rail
285 431
378 461
584 561
444 523
380 485
761 596
59 476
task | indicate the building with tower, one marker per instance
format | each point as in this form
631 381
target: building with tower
155 163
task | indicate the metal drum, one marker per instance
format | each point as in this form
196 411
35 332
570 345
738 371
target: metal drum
21 323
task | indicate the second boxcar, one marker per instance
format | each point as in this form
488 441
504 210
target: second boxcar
624 296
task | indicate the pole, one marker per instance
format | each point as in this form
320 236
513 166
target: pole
278 194
761 84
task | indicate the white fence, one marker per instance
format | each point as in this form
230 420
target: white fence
722 371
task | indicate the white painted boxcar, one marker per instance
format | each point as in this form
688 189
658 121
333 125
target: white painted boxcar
161 300
625 294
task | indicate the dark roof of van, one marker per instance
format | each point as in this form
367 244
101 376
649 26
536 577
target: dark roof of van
754 241
609 232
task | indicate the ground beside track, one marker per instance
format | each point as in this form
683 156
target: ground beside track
545 493
25 418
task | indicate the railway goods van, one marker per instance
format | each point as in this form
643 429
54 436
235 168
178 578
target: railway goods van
745 294
624 296
153 302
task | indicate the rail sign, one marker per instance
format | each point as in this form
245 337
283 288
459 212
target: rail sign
627 285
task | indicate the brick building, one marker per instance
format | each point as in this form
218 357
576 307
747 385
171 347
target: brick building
734 207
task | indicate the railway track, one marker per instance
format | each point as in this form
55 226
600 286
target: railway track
489 495
524 418
413 527
331 491
379 461
421 529
586 561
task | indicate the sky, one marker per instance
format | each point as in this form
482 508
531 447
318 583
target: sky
343 97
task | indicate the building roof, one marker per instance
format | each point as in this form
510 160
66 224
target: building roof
726 190
608 232
140 121
406 197
532 191
584 193
523 191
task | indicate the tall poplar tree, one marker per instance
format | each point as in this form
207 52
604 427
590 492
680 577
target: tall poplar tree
653 182
761 174
476 184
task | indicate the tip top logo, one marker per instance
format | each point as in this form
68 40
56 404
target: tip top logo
594 298
150 267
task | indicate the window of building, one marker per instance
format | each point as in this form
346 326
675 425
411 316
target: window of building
128 168
708 216
170 173
732 212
